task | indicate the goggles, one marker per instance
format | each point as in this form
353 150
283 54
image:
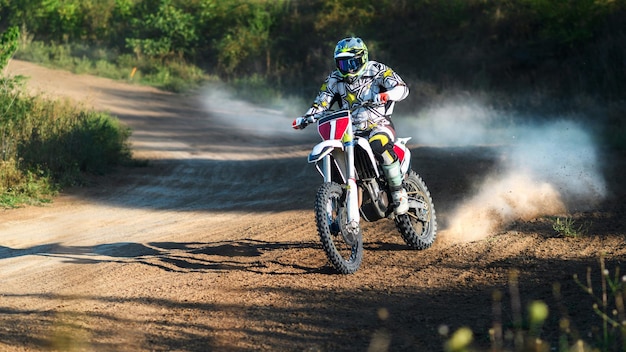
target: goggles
349 65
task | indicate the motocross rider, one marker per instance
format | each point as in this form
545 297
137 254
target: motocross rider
358 80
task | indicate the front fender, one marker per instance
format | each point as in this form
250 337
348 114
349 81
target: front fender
324 148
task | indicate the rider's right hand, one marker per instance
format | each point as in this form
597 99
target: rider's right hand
381 98
300 123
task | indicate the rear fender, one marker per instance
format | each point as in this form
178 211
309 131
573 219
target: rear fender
404 153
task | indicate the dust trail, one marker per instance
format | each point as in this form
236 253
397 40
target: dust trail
464 123
253 120
545 168
245 116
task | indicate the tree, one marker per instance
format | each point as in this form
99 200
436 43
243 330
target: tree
168 31
8 45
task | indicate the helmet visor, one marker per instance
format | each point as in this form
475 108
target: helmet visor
349 64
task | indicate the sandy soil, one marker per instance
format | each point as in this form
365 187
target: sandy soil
212 246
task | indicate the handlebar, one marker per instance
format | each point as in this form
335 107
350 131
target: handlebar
366 104
302 122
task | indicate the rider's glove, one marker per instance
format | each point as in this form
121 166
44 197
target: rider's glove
300 123
381 98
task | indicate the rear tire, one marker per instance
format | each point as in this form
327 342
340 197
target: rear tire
331 219
419 226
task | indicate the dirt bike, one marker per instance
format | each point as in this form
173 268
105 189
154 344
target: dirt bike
355 187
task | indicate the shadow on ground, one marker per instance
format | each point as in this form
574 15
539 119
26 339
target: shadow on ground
342 320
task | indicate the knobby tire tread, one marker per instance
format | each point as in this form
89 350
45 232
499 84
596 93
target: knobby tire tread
326 192
403 222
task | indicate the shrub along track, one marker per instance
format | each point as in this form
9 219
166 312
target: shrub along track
212 246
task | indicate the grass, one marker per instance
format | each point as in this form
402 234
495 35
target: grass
567 227
48 145
42 159
24 187
177 75
173 74
524 332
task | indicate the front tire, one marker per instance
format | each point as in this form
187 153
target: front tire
331 219
419 226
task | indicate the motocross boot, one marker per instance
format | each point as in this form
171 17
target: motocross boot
398 193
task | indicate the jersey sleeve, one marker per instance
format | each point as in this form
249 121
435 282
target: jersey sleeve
393 85
325 97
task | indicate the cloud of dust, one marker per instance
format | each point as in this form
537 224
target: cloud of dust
544 168
251 119
466 123
240 114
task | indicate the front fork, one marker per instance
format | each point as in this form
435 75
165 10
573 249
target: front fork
352 191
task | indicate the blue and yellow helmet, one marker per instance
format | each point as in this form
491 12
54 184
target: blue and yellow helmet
351 56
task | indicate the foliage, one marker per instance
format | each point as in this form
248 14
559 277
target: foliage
168 31
46 145
68 142
567 46
609 306
172 74
567 227
552 49
524 332
8 45
568 22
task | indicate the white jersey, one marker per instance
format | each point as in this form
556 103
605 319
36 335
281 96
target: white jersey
376 78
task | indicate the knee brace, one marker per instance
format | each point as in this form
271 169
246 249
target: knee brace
383 149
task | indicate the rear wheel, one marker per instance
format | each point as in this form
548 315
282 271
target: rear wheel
343 249
419 226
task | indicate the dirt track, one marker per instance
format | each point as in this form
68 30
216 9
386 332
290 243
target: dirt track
212 246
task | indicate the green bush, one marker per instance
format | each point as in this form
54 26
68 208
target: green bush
65 142
47 144
559 48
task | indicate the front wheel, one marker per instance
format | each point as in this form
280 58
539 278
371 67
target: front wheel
419 226
343 249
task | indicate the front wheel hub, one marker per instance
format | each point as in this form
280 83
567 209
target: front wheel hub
351 232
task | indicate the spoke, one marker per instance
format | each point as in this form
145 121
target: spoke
413 216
